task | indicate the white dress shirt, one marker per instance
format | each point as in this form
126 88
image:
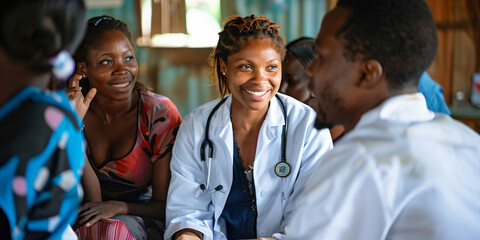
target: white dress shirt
403 172
189 207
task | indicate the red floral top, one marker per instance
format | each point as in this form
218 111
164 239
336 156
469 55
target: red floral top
130 178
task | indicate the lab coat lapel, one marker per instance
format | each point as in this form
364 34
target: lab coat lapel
223 131
273 123
222 162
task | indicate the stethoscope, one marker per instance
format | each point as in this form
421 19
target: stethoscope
282 168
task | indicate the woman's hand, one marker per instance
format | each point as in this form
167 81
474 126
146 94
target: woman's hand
75 94
188 234
92 212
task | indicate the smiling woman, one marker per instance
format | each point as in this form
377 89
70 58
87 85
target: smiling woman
257 60
263 143
129 133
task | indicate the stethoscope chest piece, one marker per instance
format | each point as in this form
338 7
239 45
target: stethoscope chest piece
282 169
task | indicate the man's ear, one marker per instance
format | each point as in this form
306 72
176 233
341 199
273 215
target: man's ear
372 73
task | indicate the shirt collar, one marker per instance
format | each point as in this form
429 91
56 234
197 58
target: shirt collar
404 108
274 115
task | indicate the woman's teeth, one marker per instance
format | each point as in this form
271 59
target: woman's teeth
120 85
256 93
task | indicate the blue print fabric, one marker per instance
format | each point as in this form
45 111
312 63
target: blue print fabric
41 163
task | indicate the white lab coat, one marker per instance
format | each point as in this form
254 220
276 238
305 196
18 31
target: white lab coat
401 173
189 207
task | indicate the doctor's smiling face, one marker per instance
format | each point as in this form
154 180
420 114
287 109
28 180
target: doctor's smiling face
247 62
254 74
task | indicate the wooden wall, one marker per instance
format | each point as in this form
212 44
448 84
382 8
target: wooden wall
458 54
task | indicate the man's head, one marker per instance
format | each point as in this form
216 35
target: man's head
367 51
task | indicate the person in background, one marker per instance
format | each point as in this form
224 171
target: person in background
239 162
298 56
129 133
401 171
295 81
433 93
41 148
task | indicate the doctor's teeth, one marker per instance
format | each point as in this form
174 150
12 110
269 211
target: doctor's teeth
256 93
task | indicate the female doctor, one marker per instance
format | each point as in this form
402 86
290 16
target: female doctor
239 162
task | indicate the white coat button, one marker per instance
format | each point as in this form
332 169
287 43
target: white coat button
263 193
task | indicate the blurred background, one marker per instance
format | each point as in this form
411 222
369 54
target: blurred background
175 37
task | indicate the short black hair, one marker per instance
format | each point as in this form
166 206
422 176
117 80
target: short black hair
400 34
33 31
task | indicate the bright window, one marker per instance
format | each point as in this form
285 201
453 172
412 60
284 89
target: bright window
202 23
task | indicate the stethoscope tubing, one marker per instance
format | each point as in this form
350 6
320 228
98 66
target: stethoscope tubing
282 168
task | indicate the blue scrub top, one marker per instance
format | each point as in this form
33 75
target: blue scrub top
240 211
433 93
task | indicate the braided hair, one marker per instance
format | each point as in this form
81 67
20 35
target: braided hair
235 35
34 31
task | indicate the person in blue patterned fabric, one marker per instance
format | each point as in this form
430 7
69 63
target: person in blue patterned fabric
41 145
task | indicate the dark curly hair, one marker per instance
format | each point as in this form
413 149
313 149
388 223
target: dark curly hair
33 31
401 35
235 34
